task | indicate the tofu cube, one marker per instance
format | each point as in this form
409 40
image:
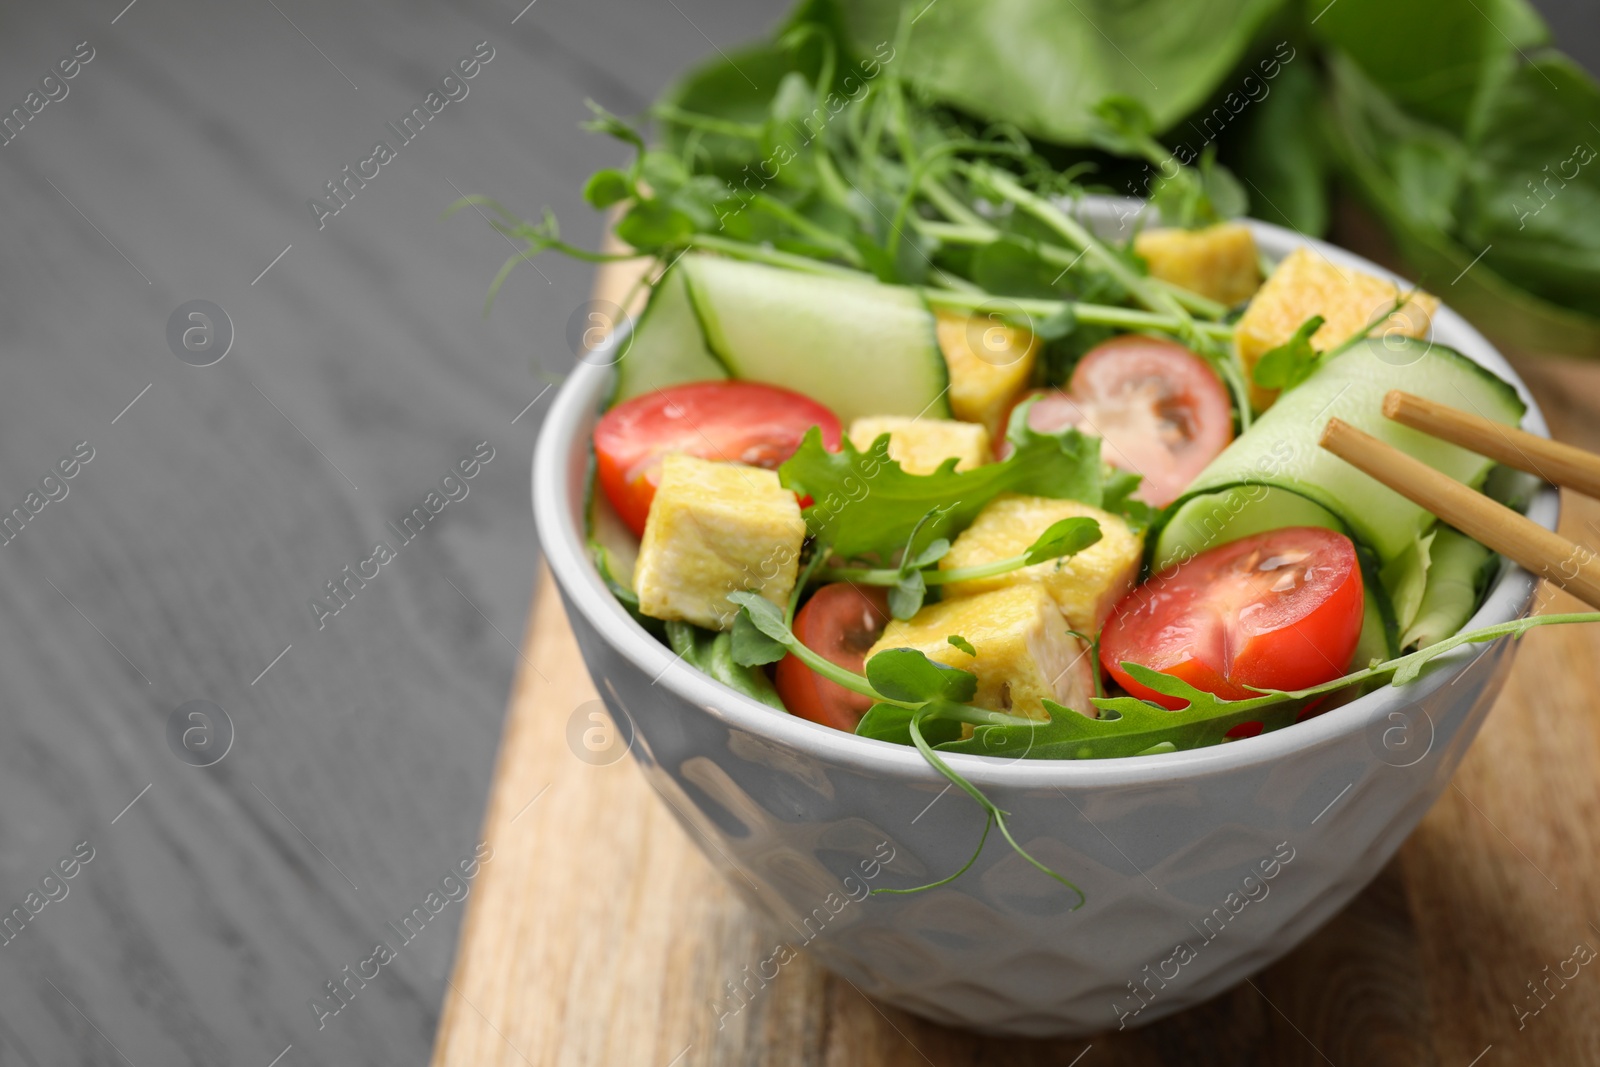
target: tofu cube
1085 587
990 365
715 529
1025 652
1219 262
1306 283
920 445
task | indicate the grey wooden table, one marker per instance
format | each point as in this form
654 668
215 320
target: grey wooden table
244 851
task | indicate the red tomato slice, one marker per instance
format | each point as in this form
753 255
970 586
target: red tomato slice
1159 408
745 422
1276 610
840 622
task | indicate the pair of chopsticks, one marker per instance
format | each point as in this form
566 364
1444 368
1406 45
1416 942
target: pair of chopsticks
1542 552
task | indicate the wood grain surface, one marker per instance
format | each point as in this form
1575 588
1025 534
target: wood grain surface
600 935
184 558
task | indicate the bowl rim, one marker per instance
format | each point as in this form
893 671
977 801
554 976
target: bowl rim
557 522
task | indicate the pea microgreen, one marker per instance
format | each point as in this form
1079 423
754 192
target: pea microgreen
1292 362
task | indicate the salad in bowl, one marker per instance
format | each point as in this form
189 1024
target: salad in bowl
925 469
875 507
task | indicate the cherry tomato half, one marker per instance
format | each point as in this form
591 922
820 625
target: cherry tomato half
1159 408
840 622
745 422
1275 610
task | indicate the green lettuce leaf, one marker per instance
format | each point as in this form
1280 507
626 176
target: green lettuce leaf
1437 197
1045 66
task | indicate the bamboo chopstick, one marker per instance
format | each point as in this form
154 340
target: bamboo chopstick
1553 461
1546 554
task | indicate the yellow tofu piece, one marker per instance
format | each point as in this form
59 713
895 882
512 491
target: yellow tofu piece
1085 587
990 364
920 445
714 529
1218 262
1026 653
1306 283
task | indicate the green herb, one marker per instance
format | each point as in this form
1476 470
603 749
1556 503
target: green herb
912 692
908 675
863 502
908 586
1169 55
717 654
957 641
1190 197
1292 362
1487 192
1065 537
1129 726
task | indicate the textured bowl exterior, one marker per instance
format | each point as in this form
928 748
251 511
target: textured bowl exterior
1196 868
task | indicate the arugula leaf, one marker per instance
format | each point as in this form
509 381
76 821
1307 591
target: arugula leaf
1129 726
909 675
863 502
1292 362
1118 499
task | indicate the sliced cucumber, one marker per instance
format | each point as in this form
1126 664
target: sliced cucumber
666 346
858 347
1380 637
1458 572
1276 474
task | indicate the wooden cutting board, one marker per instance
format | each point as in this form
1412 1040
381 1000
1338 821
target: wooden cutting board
598 935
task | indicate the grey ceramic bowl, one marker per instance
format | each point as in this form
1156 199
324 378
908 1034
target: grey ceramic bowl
1199 868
